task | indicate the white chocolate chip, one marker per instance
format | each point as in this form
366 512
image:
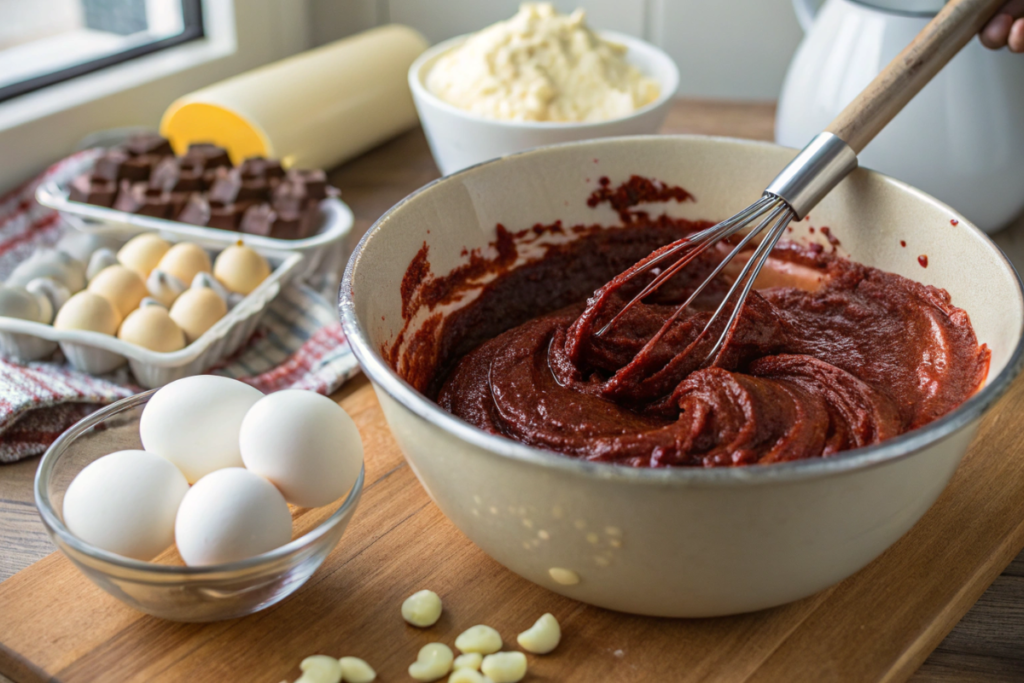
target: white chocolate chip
470 660
422 608
320 669
467 676
480 638
505 667
542 637
355 670
434 661
566 577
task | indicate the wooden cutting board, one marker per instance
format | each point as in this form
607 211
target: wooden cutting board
878 625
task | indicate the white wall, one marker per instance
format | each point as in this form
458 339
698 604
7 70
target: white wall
734 49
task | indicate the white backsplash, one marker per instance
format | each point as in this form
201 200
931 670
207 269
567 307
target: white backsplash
735 50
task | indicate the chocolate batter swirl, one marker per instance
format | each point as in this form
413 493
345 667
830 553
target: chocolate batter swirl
843 356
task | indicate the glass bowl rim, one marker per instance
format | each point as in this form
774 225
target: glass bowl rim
57 527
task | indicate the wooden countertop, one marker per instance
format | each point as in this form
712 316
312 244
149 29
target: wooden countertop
985 645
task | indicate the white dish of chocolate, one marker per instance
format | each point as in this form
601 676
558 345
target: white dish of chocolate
201 195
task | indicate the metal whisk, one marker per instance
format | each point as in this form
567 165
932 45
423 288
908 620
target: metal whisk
818 168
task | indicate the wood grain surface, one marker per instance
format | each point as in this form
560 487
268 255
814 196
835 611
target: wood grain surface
878 625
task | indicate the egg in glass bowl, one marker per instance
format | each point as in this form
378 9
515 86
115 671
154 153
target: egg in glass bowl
166 586
539 78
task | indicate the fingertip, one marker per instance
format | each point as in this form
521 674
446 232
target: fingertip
1016 38
997 31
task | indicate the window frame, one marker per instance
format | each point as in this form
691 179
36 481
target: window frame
193 29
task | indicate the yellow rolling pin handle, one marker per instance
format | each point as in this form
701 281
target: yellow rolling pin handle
313 110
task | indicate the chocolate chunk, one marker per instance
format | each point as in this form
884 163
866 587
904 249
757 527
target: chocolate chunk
258 220
225 187
209 156
90 190
259 167
136 198
148 144
190 177
289 197
254 190
226 217
117 165
165 175
171 176
315 181
263 220
196 211
178 201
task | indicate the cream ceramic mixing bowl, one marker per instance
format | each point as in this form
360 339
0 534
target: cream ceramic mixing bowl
676 542
459 139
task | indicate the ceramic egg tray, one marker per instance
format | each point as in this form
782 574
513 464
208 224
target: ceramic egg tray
97 353
324 251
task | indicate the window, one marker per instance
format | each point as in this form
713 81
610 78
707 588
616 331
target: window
43 42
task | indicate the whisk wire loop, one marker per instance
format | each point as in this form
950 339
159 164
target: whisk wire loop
769 210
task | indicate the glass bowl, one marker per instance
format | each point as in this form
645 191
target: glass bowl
178 593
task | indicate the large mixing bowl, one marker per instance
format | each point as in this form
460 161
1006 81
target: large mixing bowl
676 542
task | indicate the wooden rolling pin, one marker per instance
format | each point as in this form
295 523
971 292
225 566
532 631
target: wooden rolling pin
313 110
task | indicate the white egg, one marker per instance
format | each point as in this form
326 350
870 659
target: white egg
194 423
229 515
52 264
305 444
126 503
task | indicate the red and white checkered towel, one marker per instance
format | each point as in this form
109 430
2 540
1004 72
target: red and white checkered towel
298 345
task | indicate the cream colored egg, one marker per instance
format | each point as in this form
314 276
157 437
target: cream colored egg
120 286
240 268
184 260
88 311
143 252
151 328
196 311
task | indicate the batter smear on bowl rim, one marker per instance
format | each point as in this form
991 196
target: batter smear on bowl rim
827 355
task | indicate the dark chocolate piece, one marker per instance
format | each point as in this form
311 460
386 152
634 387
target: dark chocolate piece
90 190
225 187
209 156
259 167
117 165
314 180
148 144
137 198
258 220
289 197
196 211
165 175
226 217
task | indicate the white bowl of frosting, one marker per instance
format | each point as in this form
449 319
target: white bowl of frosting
539 78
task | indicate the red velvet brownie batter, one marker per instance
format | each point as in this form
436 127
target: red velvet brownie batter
843 356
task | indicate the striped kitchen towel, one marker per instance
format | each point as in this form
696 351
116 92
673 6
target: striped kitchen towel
298 344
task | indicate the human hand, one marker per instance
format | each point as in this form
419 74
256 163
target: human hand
1006 28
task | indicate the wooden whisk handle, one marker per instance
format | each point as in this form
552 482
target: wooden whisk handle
951 29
